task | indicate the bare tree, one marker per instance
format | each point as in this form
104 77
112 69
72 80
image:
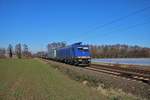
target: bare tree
119 51
10 50
18 50
25 50
2 53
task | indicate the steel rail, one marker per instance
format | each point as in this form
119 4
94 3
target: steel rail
141 76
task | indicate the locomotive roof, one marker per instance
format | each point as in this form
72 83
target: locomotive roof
79 44
73 46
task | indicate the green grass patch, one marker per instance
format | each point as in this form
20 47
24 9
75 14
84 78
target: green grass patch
30 79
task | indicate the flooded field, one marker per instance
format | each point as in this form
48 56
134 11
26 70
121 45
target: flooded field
134 61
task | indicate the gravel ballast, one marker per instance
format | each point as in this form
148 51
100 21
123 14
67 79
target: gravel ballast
95 79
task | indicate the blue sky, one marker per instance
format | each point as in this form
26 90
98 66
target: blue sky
38 22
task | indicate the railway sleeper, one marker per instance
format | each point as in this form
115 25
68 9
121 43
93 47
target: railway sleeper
126 75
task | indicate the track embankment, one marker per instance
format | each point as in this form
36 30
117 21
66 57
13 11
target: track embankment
134 73
94 78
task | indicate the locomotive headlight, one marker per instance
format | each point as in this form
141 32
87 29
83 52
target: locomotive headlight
89 59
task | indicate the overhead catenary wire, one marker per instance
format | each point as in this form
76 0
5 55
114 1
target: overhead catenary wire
124 29
130 27
118 19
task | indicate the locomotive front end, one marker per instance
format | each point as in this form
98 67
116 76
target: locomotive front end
83 55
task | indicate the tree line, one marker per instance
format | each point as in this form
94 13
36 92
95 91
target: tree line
119 51
19 51
97 51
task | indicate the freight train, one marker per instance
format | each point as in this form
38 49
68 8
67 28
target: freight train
75 54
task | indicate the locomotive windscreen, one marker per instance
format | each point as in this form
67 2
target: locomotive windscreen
83 48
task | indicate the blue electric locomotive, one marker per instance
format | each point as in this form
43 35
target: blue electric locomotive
76 54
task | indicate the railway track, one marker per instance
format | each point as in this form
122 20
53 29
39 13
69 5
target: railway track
131 73
136 74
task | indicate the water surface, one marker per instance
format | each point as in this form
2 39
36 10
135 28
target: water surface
134 61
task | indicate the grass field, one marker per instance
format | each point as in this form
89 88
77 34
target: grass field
30 79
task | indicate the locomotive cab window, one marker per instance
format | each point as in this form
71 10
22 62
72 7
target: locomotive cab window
83 48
